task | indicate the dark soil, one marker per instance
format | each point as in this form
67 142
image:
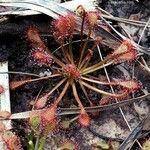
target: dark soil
15 49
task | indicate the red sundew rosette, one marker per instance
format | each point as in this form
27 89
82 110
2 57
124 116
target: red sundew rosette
72 71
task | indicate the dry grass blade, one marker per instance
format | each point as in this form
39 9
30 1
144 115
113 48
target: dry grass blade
21 73
145 66
133 135
121 111
140 48
109 16
69 111
126 21
144 30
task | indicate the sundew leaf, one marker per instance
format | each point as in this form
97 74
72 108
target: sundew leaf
146 145
101 144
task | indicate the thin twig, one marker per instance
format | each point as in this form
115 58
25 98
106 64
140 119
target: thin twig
126 21
144 30
70 111
114 92
21 73
109 16
133 71
144 67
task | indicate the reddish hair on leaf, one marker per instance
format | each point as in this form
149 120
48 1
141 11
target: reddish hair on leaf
64 27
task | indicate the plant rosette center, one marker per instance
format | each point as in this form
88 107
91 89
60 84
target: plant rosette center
71 71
